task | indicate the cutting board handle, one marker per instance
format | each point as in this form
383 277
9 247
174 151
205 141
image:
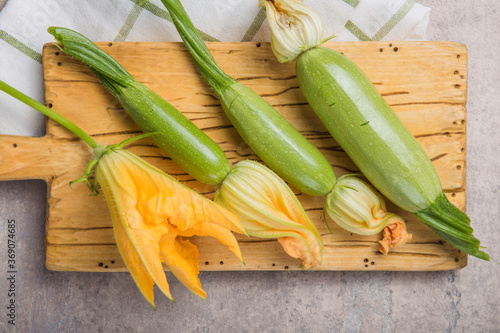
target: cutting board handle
44 157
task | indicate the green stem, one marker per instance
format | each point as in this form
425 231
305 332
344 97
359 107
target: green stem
197 47
82 48
451 224
49 113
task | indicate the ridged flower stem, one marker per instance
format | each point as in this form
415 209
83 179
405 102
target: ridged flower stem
49 113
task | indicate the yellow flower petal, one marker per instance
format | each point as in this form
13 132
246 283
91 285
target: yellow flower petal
146 269
296 247
134 263
181 258
220 233
161 199
395 234
303 245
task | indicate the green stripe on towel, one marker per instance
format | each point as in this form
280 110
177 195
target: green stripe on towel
163 14
255 26
386 28
352 3
129 23
18 45
395 19
357 32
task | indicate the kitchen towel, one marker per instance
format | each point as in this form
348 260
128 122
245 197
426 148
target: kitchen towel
24 23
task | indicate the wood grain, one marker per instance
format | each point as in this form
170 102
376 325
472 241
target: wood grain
425 83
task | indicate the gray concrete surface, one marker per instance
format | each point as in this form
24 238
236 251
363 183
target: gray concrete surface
459 301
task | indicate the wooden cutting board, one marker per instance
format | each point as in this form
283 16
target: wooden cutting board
425 82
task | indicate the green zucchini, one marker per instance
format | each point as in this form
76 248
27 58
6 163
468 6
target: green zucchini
185 143
277 142
369 131
265 131
366 128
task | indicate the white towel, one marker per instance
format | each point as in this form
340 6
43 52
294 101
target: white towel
24 23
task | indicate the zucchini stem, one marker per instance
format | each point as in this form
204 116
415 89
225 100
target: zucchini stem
85 50
49 113
196 46
451 224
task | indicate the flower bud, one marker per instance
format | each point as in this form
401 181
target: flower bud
268 208
358 208
295 28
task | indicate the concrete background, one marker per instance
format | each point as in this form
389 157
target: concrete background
458 301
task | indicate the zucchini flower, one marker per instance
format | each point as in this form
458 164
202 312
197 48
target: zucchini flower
295 28
358 208
152 216
268 208
152 213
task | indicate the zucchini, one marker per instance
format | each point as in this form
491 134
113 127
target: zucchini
367 129
175 134
277 142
